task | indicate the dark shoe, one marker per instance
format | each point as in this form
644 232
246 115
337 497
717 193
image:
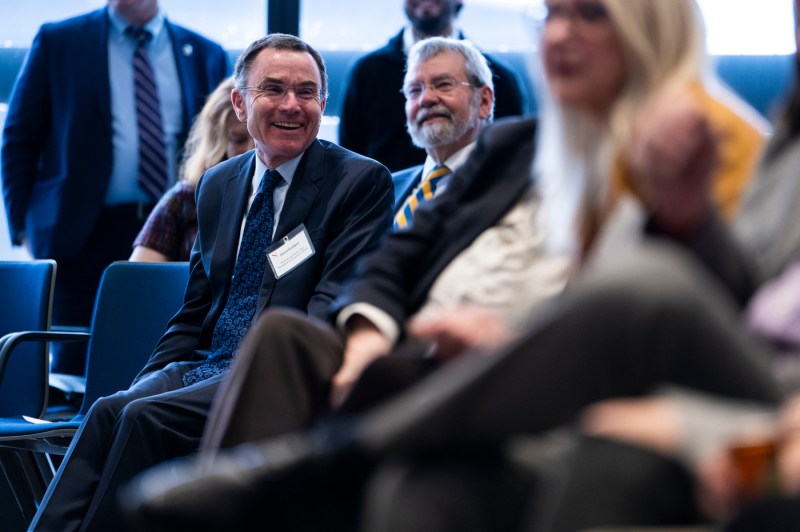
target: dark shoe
293 482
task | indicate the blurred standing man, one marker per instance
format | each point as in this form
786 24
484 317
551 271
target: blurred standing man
76 186
372 118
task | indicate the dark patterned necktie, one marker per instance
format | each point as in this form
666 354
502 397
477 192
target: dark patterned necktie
152 144
425 192
245 285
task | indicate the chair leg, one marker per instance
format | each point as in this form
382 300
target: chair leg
24 474
17 480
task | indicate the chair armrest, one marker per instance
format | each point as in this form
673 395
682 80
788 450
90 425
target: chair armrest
10 341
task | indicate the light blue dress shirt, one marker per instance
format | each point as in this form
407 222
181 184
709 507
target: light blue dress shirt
124 187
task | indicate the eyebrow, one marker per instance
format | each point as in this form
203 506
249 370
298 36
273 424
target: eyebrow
437 77
276 81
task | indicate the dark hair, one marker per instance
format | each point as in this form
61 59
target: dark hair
279 41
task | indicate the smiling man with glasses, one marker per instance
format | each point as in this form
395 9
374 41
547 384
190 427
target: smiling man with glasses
281 225
449 99
372 120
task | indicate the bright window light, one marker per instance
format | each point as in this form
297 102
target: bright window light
734 27
745 27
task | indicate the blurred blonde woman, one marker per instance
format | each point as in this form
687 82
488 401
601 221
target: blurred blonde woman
612 70
169 232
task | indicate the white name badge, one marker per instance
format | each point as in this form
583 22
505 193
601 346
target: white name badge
290 252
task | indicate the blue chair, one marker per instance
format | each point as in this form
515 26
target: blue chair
26 296
134 304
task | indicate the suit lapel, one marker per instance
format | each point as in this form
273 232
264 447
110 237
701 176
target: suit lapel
303 191
183 52
484 202
232 209
409 187
97 55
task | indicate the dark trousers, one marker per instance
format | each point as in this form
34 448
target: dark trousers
77 278
279 382
623 331
123 434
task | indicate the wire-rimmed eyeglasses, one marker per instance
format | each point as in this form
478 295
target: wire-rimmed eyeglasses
277 92
413 91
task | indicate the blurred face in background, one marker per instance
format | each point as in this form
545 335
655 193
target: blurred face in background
238 138
583 59
137 12
432 17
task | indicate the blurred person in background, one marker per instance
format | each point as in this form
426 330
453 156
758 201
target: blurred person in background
216 135
95 123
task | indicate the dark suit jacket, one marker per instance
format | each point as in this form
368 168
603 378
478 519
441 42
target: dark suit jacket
398 278
404 183
373 120
57 145
345 202
497 173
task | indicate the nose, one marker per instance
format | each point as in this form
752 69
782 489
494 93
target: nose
290 101
559 28
429 96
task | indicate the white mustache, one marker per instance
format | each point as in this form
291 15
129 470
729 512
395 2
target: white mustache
439 109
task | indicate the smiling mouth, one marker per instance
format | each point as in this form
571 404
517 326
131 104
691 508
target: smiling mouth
430 117
287 125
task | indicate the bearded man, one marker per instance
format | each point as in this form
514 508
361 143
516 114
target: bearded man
449 99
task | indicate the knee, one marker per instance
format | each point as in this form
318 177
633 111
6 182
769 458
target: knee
108 407
139 414
278 323
284 336
652 277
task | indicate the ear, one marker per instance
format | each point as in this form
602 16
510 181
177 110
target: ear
322 104
487 101
239 107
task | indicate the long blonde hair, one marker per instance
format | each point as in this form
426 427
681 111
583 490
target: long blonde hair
664 45
208 137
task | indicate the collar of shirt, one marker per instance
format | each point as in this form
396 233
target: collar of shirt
154 25
286 170
454 162
409 39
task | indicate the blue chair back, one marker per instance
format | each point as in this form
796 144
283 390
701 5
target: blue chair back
134 303
26 296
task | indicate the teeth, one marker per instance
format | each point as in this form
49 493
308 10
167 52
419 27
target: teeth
288 125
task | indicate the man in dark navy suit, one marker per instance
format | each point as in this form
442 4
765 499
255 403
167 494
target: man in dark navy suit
282 225
70 154
449 99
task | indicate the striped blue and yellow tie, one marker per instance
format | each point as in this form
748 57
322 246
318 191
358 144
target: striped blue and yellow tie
424 192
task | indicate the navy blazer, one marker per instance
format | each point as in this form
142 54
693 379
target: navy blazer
345 202
57 141
398 278
404 183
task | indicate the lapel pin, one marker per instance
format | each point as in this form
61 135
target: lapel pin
187 50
